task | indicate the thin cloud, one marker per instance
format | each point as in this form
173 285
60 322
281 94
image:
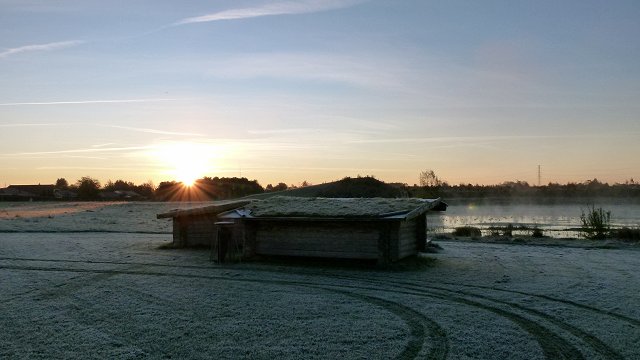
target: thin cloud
359 71
82 102
152 131
81 151
282 131
40 47
83 157
29 125
466 139
272 9
88 168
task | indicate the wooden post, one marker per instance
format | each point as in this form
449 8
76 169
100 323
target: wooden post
180 231
421 233
249 238
223 237
213 248
394 241
383 244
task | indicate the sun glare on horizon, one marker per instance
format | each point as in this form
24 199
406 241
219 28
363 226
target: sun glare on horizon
187 162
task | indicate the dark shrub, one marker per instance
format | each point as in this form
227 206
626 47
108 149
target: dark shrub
502 230
508 230
537 233
467 231
627 234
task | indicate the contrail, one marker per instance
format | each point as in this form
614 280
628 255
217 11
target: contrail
32 124
277 8
40 47
80 151
152 131
118 101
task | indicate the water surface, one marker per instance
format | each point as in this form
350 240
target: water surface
556 220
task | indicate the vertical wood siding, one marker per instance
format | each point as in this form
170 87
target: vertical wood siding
407 241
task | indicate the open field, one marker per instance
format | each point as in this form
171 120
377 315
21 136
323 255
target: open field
96 294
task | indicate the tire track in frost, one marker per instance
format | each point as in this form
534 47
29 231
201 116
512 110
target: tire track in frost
553 346
622 317
416 321
625 318
591 340
69 287
619 316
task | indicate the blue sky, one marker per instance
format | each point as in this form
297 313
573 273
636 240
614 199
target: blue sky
479 91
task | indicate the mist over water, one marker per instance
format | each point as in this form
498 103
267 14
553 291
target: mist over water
557 220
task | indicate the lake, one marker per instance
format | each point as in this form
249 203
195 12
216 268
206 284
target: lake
556 220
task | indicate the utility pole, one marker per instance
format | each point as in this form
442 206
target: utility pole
539 176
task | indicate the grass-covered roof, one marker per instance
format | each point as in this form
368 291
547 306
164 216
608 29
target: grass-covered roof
282 206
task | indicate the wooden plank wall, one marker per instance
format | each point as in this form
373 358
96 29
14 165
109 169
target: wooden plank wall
407 239
193 230
348 240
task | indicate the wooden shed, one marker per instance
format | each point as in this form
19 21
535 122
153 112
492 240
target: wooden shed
196 226
385 230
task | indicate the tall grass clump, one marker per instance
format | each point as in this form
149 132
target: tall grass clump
596 223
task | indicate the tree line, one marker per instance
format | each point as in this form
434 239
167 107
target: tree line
206 188
431 186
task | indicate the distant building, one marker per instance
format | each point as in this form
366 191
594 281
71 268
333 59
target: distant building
63 194
120 195
27 192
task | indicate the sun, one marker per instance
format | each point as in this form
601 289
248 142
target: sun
188 174
185 161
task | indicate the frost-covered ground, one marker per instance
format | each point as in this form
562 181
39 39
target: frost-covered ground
133 217
74 294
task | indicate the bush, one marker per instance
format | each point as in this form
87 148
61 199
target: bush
504 230
508 230
88 188
596 223
467 231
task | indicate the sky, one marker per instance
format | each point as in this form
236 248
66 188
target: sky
287 91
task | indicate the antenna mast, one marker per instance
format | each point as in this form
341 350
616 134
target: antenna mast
539 176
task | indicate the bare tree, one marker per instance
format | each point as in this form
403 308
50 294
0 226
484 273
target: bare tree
430 179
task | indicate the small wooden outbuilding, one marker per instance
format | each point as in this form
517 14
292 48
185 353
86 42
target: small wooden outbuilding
385 230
